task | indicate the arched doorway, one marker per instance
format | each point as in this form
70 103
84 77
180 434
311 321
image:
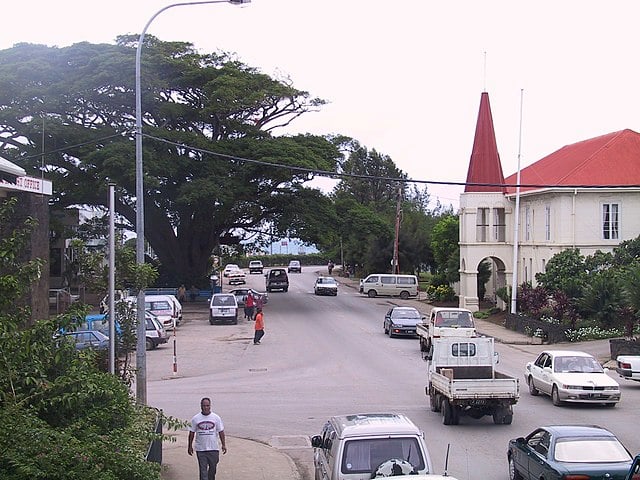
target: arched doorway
493 269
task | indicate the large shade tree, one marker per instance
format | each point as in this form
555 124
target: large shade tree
68 113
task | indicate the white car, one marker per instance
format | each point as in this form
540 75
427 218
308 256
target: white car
230 267
628 367
326 286
236 277
572 377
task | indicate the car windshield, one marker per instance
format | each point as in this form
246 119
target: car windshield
576 364
363 456
224 300
590 450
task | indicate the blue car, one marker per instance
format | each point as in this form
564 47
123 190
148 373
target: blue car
85 339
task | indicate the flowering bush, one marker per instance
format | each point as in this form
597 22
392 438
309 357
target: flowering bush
441 293
592 333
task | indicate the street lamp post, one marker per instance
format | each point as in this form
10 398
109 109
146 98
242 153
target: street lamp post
141 359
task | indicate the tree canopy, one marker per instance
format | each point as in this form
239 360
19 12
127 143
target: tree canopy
203 114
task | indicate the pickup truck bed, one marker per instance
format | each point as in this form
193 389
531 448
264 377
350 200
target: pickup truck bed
500 386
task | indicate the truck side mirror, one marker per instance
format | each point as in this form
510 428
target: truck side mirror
496 358
316 441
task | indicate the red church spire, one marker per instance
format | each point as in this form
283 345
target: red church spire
485 166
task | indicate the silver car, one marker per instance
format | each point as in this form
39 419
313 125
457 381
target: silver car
572 377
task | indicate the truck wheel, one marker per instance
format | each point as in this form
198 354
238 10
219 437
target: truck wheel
404 295
372 293
447 412
434 402
507 419
532 388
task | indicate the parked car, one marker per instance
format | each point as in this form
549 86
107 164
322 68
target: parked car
255 266
402 321
155 333
277 279
241 295
85 339
628 367
568 451
229 268
166 307
325 286
223 308
294 267
571 376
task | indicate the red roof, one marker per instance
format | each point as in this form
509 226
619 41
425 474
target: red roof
612 159
485 166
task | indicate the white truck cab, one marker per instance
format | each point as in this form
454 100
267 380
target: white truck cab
445 322
352 447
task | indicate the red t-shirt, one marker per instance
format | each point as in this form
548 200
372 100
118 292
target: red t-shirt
259 321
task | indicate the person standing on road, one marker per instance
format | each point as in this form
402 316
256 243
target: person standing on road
206 426
259 327
248 306
258 302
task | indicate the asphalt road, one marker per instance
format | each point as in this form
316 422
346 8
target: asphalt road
323 356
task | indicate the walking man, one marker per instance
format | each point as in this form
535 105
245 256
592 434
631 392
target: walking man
206 426
259 327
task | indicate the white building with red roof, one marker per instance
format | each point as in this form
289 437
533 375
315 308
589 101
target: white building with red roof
585 195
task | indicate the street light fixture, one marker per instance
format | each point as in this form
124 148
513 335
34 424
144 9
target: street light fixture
141 359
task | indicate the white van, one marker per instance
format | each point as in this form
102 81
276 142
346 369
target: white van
356 447
403 286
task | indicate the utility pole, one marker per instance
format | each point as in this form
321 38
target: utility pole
395 267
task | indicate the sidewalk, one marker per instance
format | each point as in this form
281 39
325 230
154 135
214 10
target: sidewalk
244 460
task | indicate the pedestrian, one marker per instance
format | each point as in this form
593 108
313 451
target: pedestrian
206 426
258 302
182 294
248 306
259 326
193 293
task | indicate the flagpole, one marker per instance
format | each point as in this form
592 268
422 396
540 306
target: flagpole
516 219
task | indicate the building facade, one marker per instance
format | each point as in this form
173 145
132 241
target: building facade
585 195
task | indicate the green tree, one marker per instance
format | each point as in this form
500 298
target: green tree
445 246
222 109
61 416
566 271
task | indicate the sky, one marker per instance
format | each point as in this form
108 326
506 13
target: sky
403 77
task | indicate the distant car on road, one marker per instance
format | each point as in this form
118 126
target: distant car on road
236 277
568 451
229 268
571 376
277 279
294 267
325 286
255 266
402 321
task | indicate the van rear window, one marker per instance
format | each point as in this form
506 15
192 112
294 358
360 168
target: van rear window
223 300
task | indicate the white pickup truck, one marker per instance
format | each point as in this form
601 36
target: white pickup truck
463 381
445 322
628 367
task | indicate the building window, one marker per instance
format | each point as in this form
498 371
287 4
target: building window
547 223
499 225
610 221
544 265
482 225
527 223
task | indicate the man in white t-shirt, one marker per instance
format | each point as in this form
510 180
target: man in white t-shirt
206 426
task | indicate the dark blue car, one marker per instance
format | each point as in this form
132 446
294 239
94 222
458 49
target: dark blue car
568 451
